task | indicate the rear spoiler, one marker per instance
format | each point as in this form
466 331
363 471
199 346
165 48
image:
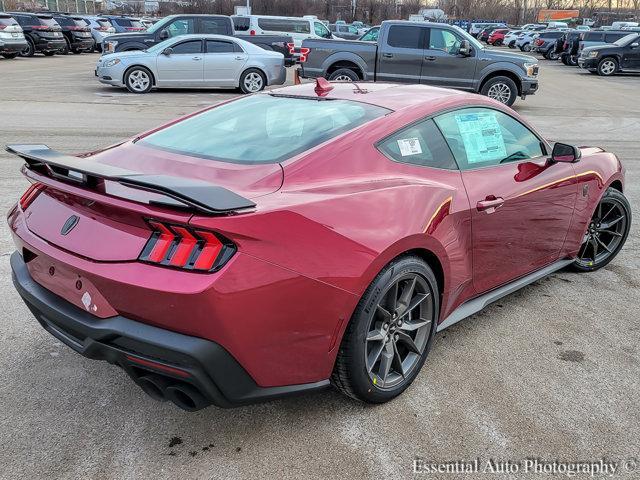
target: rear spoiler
197 194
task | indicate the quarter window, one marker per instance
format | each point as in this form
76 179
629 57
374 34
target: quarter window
420 144
481 137
401 36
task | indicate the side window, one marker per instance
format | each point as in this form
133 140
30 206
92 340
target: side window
321 30
612 37
218 26
190 47
420 144
444 40
481 137
182 26
401 36
241 24
216 46
371 35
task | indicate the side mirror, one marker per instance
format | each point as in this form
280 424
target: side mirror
167 51
465 48
164 34
565 153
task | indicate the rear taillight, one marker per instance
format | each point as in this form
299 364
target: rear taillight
252 32
291 47
539 42
304 53
30 195
2 27
181 246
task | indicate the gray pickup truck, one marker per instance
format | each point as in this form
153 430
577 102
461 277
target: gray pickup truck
422 52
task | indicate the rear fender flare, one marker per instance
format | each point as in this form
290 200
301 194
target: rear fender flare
344 57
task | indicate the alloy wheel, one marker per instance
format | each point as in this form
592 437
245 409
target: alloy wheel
608 67
604 233
139 80
342 78
399 330
500 92
253 82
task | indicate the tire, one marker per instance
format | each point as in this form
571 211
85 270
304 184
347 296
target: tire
565 60
497 43
29 50
9 55
613 214
551 55
355 374
608 66
138 80
526 47
252 80
512 44
48 54
572 61
344 75
502 89
67 48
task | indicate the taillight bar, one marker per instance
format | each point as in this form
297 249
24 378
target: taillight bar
181 246
30 195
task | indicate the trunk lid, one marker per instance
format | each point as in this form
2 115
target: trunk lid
108 222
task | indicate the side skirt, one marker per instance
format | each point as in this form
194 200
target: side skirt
476 304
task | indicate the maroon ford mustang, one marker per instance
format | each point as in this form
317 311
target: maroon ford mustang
280 242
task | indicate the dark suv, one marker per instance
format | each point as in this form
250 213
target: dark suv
623 55
42 32
76 33
545 44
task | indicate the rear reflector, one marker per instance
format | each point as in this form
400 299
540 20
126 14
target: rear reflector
179 246
30 195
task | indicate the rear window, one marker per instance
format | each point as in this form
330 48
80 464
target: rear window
126 22
284 25
215 25
66 21
612 37
241 24
6 21
104 23
262 128
49 22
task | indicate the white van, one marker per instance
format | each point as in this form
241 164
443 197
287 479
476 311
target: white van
297 28
557 25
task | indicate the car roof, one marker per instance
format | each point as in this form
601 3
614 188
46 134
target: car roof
391 96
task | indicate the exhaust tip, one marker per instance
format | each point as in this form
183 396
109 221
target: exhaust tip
154 386
186 397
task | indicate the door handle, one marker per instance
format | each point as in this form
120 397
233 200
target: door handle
387 55
239 57
196 58
430 58
490 204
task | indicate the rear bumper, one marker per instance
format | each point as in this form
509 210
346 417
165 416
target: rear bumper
82 43
45 45
140 348
9 46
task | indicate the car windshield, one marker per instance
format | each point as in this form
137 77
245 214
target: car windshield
624 41
472 40
262 128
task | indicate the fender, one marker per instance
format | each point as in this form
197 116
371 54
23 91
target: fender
492 68
124 47
346 57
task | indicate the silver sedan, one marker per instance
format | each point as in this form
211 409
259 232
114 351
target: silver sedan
194 61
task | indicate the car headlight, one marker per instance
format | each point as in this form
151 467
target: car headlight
531 68
112 62
593 54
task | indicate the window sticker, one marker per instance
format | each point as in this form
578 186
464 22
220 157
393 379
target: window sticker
409 146
482 136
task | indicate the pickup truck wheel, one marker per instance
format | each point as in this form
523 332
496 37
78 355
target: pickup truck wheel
607 66
344 75
502 89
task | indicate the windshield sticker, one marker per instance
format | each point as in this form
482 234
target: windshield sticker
409 146
482 136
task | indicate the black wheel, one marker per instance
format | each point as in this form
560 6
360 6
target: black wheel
390 334
252 80
564 59
502 89
607 66
9 55
29 50
512 44
138 80
497 43
572 60
606 233
48 54
551 55
344 75
526 47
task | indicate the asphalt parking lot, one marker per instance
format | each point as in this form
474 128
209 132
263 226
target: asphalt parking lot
550 372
